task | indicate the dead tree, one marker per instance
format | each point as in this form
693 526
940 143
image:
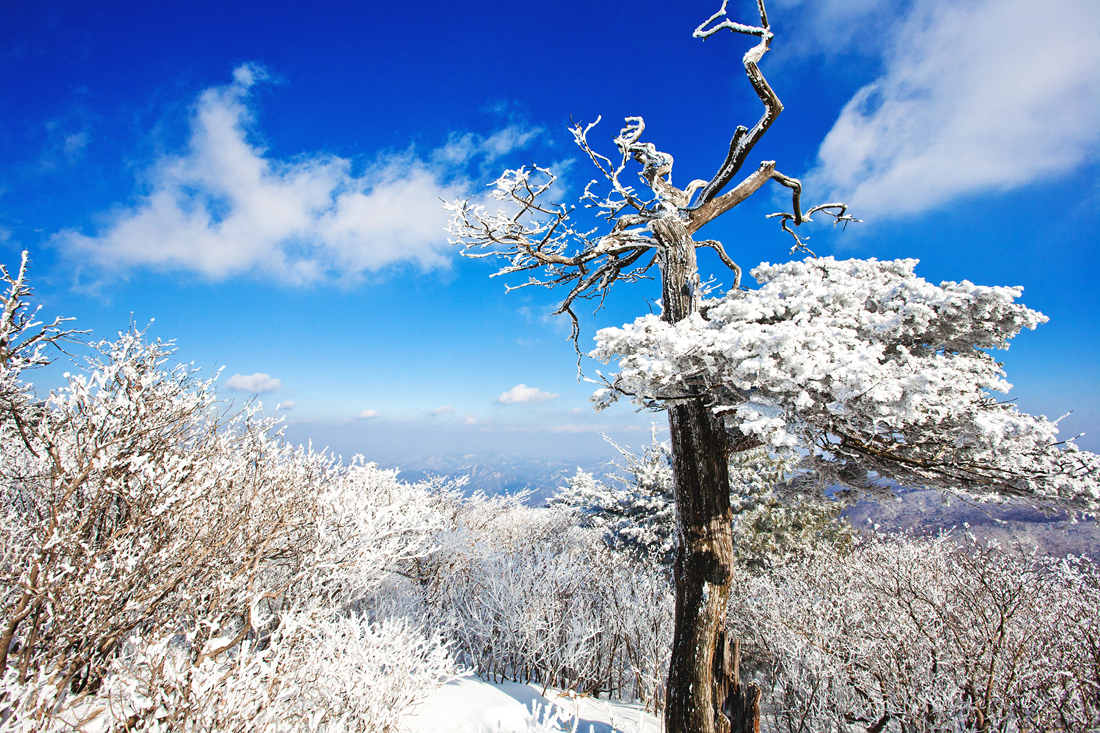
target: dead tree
536 236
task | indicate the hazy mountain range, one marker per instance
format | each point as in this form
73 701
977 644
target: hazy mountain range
922 512
503 473
926 512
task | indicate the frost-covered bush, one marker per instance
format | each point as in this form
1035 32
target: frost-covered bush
328 674
132 507
526 594
905 634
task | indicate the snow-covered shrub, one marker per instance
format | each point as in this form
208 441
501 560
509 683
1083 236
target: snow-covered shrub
331 674
526 594
132 506
923 635
334 674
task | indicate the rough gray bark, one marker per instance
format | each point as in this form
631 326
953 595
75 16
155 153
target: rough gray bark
701 448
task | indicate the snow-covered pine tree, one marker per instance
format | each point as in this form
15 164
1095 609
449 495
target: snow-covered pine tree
870 370
773 521
635 510
887 407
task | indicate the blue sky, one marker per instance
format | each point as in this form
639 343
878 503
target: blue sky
264 180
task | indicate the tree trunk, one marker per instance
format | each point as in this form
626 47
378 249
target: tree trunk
701 448
741 702
700 454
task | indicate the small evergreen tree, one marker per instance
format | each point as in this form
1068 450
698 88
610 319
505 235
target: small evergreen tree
773 521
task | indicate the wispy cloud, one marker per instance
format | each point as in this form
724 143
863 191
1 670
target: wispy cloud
441 410
67 139
257 383
461 148
974 97
367 414
226 207
288 405
521 394
833 27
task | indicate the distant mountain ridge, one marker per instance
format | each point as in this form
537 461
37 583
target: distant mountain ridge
922 512
502 473
926 512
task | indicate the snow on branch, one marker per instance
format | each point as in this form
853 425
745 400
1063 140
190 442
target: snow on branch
23 340
862 363
531 233
743 139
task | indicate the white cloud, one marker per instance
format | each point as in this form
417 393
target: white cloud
257 383
367 414
975 96
288 405
830 27
441 410
521 394
461 148
225 207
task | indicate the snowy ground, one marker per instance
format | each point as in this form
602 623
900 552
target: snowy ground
472 705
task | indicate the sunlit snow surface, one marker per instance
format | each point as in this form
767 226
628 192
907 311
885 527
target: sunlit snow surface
472 705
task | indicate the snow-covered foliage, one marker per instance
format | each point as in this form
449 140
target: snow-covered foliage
867 366
773 522
311 673
915 634
636 511
147 536
525 594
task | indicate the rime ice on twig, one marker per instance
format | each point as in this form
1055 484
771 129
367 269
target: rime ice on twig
531 233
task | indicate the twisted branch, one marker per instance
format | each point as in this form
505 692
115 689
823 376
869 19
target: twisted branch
743 139
532 234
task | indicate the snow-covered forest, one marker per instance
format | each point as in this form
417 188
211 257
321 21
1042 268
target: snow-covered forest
172 564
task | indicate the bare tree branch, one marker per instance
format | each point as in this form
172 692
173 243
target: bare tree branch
836 210
717 247
21 336
743 139
713 209
531 233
